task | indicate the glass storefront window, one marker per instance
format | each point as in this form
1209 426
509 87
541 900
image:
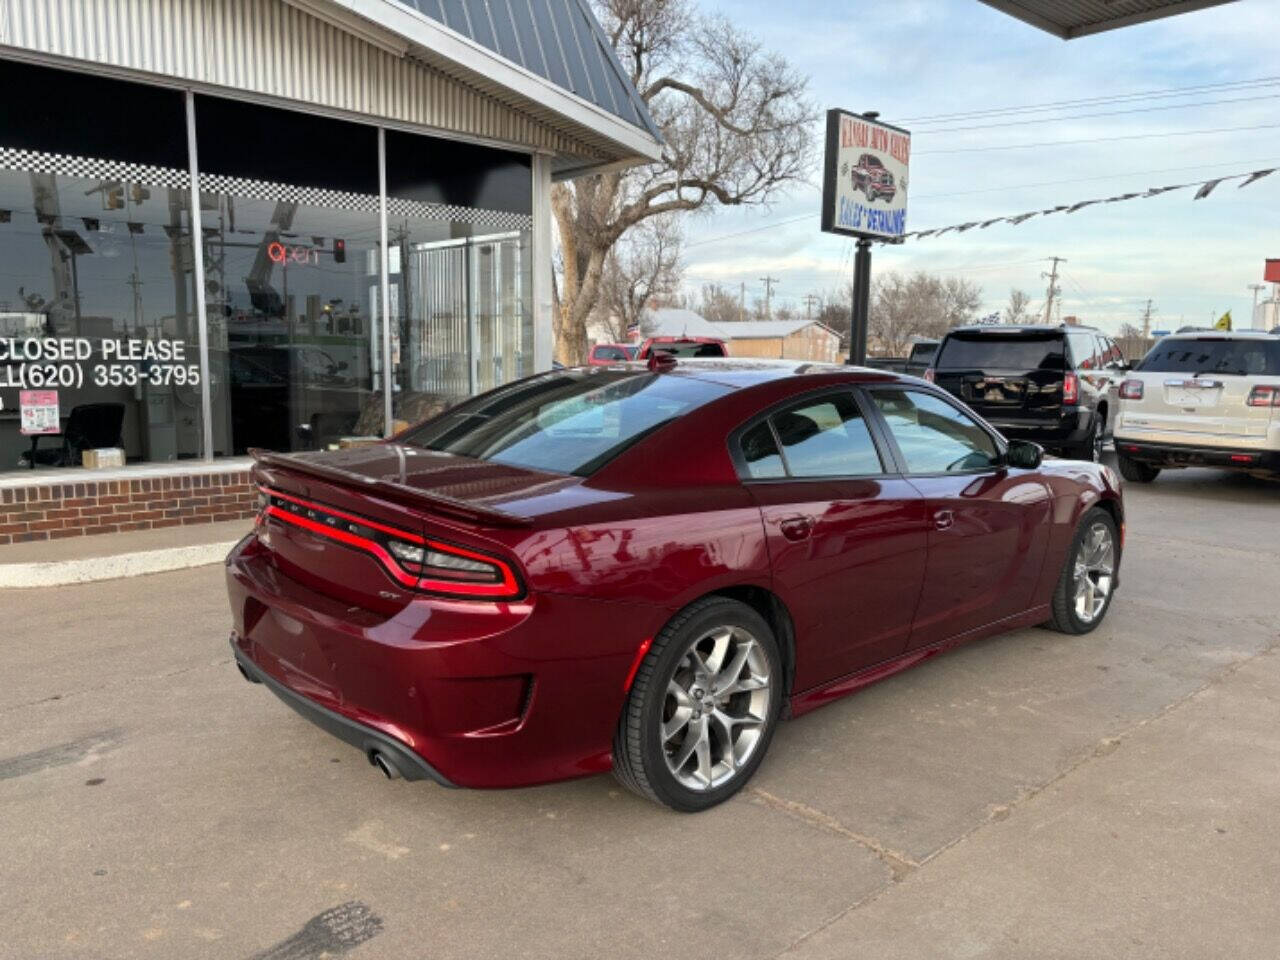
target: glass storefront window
97 260
291 295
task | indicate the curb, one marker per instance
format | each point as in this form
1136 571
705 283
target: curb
58 573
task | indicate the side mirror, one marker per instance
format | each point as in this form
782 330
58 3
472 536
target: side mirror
1024 455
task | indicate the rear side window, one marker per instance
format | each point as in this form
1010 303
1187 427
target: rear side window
994 351
571 421
1084 350
1214 355
689 349
824 437
609 353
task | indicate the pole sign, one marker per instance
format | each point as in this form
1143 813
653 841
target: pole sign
864 183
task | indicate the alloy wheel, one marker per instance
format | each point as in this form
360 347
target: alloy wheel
1094 572
716 708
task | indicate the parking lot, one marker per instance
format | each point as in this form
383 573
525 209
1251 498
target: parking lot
1111 795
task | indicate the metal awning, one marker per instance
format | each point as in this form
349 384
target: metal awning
1079 18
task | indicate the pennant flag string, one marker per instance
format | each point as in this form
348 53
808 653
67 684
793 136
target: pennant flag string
1204 188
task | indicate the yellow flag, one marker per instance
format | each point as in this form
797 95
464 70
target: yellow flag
1224 322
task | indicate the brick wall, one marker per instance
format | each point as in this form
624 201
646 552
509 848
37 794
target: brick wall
50 511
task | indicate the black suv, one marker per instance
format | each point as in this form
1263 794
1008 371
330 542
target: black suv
1056 385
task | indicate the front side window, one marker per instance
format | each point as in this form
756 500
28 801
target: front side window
934 436
571 421
826 437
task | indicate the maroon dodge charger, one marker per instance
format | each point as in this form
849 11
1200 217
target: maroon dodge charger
646 567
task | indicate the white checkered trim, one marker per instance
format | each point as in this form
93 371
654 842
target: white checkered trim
91 168
500 219
289 193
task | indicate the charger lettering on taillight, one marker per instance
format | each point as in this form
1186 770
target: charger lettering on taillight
1070 389
413 561
1131 390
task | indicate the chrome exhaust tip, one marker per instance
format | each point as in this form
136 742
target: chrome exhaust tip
388 769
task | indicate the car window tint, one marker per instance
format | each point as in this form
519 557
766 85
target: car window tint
1248 357
1084 350
567 421
826 438
934 436
760 453
998 351
610 353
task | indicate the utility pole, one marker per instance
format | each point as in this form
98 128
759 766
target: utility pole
1053 289
742 301
768 295
1253 317
809 300
1146 321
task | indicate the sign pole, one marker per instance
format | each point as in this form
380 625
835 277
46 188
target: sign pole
861 309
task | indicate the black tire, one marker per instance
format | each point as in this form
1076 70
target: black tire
639 761
1064 618
1135 470
1090 448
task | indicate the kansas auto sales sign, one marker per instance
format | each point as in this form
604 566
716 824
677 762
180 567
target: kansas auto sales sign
864 186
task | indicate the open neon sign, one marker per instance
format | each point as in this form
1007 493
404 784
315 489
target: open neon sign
282 253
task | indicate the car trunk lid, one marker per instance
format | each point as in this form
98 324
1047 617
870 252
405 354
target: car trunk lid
343 523
1004 375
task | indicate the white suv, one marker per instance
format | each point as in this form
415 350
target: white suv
1209 398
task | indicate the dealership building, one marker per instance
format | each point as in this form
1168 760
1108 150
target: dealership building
367 184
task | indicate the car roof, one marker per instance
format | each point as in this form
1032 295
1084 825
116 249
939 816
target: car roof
1210 334
1023 328
740 373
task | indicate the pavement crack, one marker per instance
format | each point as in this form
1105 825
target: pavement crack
52 698
899 864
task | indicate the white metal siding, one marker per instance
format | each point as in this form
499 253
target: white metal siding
271 49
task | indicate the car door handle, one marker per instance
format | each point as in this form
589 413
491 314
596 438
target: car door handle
796 528
944 519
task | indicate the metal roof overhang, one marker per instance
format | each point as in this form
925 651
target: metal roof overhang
1069 19
398 29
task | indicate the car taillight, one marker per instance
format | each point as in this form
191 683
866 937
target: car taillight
1131 390
1070 389
413 561
1264 397
929 374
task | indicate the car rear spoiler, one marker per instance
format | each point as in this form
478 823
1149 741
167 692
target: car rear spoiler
398 493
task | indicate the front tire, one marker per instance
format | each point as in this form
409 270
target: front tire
1083 594
702 708
1135 470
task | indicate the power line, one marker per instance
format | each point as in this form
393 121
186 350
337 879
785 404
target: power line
1136 136
1086 116
1161 93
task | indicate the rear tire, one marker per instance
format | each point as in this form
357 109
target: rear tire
1086 587
1135 470
1090 448
702 708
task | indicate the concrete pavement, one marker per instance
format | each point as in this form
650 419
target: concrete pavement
1033 795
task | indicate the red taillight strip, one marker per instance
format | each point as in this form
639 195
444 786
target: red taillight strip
363 521
507 588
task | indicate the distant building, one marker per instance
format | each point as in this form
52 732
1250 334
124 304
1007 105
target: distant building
787 339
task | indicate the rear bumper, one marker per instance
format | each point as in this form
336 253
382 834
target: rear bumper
491 694
1061 431
366 739
1199 455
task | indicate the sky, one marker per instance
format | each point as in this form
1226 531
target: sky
912 59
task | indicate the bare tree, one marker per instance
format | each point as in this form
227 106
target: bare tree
717 304
1016 310
642 268
737 126
920 305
